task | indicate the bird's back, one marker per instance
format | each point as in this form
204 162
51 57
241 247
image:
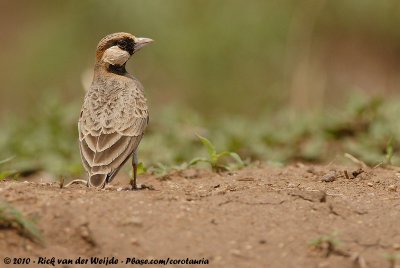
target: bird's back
112 122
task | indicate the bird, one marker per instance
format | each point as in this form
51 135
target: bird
114 113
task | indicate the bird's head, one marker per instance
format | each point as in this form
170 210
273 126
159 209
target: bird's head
114 50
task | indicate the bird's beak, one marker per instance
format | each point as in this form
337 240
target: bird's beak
141 42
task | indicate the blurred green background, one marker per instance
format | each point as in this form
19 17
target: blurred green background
276 81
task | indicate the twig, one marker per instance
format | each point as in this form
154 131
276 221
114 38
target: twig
355 160
346 174
72 182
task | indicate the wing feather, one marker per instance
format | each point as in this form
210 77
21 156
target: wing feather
111 126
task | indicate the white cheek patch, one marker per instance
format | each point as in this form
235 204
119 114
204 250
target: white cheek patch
115 56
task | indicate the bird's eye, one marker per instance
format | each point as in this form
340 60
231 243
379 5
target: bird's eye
122 43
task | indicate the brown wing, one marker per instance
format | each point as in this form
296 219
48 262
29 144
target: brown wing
110 129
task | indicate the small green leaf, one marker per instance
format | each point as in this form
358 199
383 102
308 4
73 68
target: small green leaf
389 151
197 160
392 257
237 158
210 147
6 160
141 169
7 173
10 217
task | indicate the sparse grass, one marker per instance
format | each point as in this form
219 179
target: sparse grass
214 159
4 173
368 129
392 258
46 140
10 217
327 244
389 152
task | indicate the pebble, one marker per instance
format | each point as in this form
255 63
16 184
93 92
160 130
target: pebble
134 241
134 221
370 184
392 188
84 233
236 252
329 177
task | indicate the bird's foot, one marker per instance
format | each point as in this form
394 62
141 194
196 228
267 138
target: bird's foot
134 187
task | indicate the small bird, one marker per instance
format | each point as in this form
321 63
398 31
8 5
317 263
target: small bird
114 115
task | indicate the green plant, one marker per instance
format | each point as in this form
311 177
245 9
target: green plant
389 152
327 243
141 169
45 140
10 217
4 173
214 158
392 258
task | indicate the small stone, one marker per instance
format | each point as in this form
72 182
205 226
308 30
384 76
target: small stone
135 242
370 184
396 246
392 188
311 170
84 233
236 252
134 221
329 177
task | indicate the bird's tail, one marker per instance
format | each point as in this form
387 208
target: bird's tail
97 180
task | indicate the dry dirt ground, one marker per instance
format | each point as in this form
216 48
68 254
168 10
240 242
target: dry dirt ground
256 217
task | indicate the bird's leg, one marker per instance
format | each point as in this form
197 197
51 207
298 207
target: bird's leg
134 167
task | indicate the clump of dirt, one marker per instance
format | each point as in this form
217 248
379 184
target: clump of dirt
297 216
